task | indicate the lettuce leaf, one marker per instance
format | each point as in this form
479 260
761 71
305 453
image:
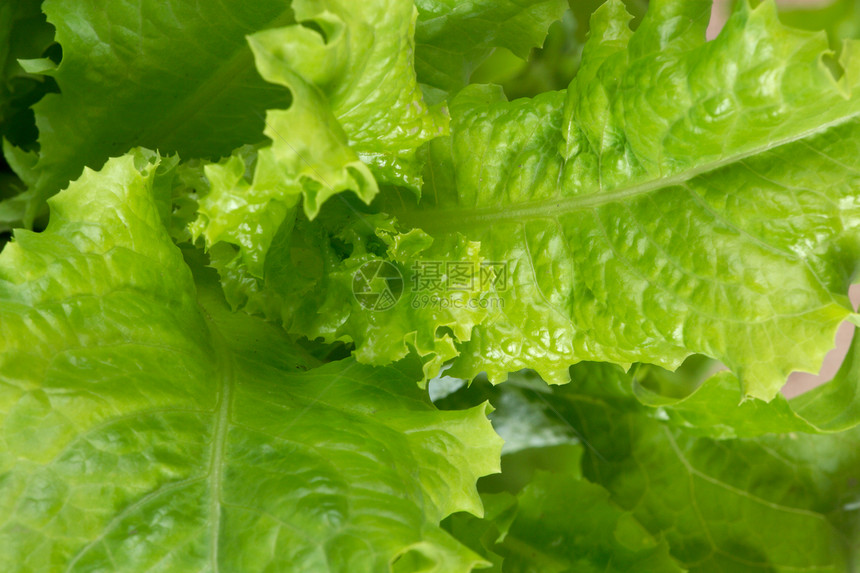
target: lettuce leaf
681 197
357 121
838 17
341 132
24 35
554 65
216 360
782 502
739 505
543 537
561 523
172 76
148 426
714 407
359 68
309 284
453 38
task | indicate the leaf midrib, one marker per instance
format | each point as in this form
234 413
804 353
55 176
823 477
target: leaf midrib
449 219
225 366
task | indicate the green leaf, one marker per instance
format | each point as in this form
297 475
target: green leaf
13 202
635 219
717 409
353 63
452 38
838 17
147 427
681 197
554 65
565 524
558 521
776 503
357 117
312 283
171 76
24 35
714 406
482 534
834 406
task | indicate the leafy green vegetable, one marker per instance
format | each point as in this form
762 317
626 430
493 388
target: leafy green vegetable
580 191
553 66
24 35
562 523
271 262
368 86
175 76
25 38
715 407
453 38
602 538
777 503
588 186
171 433
838 17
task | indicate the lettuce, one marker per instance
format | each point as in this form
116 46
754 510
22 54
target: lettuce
781 502
147 424
286 283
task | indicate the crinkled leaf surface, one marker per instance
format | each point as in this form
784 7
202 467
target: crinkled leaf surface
354 97
309 284
147 427
359 72
680 197
356 121
173 76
